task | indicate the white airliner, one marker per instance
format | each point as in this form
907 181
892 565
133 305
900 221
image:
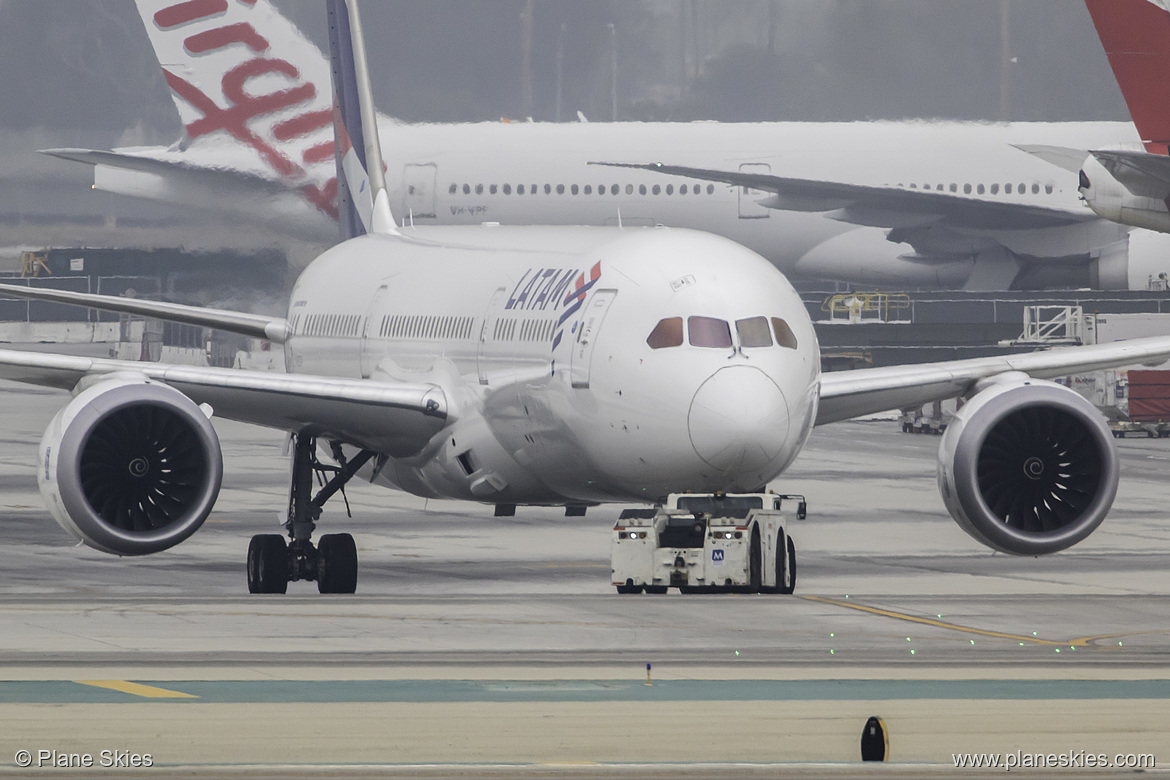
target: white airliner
535 365
924 204
1129 184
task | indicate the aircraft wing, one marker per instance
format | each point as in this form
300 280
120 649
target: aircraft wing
879 206
253 325
846 394
395 419
1145 175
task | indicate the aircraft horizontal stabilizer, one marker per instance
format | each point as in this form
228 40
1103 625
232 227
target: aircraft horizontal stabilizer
162 167
1071 160
258 326
899 206
1143 174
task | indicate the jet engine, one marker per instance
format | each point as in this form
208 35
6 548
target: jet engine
130 466
1027 466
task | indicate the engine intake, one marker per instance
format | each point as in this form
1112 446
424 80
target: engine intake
130 466
1028 467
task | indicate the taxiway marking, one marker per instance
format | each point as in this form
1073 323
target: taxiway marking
137 689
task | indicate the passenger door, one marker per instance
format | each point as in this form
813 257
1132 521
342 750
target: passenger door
749 207
372 347
591 320
419 181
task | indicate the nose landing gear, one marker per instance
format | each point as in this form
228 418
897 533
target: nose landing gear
332 562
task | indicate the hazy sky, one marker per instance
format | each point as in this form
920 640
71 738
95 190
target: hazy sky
86 65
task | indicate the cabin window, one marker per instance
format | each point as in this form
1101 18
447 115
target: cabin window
493 189
519 189
753 332
452 189
1035 188
709 332
507 189
682 189
667 333
560 189
994 189
547 189
479 189
966 189
669 189
954 187
588 189
710 189
784 335
979 189
574 189
1021 189
1007 189
657 190
613 189
629 189
641 189
1048 189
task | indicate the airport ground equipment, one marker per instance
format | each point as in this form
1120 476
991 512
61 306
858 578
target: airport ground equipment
706 543
1146 396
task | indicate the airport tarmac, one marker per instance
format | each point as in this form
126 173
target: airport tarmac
484 646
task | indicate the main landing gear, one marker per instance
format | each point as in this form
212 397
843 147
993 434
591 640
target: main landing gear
273 562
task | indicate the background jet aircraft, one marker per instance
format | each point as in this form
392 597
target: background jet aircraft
535 365
924 204
1129 185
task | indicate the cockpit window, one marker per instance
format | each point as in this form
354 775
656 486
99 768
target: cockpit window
709 332
667 333
753 332
784 335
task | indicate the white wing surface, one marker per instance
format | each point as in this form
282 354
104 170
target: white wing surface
253 325
846 394
395 419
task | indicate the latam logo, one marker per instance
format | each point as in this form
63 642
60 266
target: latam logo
244 105
576 298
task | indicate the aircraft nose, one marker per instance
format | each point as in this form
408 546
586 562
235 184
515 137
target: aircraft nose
738 419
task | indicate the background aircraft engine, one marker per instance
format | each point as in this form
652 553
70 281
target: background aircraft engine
1028 467
130 466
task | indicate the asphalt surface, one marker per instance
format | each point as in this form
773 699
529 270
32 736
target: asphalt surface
483 646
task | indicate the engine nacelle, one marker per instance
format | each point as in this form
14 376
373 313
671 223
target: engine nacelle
1028 467
130 466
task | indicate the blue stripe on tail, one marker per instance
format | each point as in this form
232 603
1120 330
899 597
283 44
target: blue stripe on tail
347 121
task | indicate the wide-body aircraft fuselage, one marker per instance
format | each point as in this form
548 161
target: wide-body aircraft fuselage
604 365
